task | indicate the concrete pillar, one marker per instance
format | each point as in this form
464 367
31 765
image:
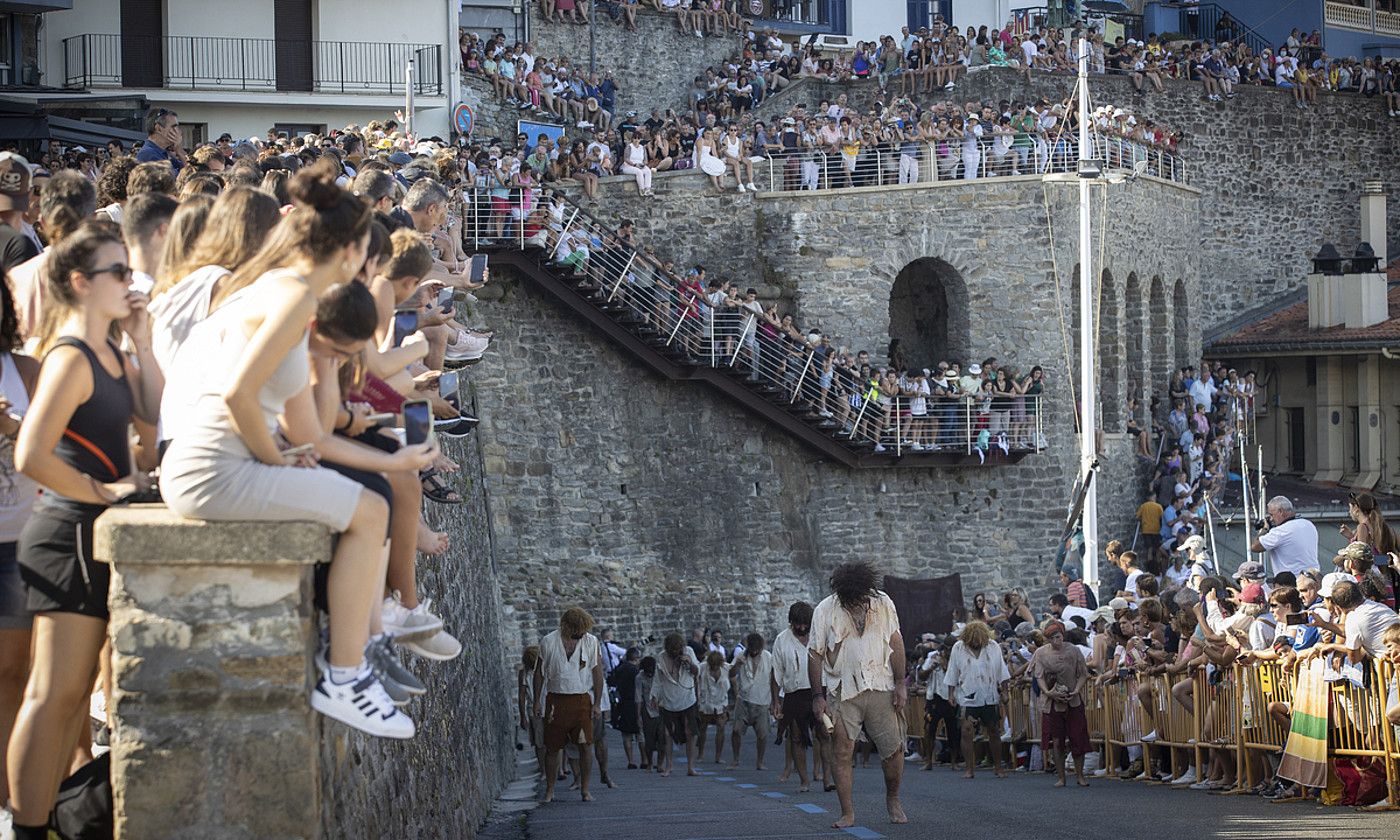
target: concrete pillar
1368 400
1331 421
212 640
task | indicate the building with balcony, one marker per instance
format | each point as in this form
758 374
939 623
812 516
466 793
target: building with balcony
1347 27
244 68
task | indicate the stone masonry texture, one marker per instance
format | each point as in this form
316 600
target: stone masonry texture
652 67
441 783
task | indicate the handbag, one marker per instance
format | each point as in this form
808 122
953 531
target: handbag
83 808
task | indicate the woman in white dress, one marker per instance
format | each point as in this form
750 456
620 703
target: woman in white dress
736 157
971 147
710 163
634 163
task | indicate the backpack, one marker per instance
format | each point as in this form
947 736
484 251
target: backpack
83 808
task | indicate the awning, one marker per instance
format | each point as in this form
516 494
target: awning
73 132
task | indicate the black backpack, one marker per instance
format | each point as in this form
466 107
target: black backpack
83 807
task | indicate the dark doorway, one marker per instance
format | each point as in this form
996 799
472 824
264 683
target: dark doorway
143 43
1297 439
928 313
292 29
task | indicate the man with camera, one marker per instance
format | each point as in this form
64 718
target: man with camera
1289 540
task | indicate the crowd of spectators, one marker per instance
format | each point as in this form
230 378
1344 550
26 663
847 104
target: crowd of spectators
256 329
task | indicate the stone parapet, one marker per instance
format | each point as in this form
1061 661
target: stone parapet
212 636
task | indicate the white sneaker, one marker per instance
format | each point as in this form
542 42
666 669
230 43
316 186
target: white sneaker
1149 737
879 447
948 86
441 646
361 704
402 624
741 188
825 414
468 348
1101 772
917 447
752 188
1203 786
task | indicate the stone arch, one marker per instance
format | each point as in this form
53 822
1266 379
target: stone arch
1181 324
1134 331
1109 358
1159 362
929 312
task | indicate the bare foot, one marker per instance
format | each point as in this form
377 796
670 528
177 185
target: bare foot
692 772
587 797
760 767
828 787
609 782
573 785
968 775
547 798
664 773
896 810
804 789
786 775
846 821
1059 783
446 464
732 766
1001 774
430 542
1081 783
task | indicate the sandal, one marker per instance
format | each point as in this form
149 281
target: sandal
437 489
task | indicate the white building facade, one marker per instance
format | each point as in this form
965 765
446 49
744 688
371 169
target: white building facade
245 67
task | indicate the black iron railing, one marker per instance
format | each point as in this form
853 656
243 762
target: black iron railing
1209 22
1029 19
251 64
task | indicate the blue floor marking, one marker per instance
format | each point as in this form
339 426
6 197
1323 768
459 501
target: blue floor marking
706 772
724 778
863 833
773 794
746 786
810 808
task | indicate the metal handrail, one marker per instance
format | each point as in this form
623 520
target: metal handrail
706 327
890 164
223 63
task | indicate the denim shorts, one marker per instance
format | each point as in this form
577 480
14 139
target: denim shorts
14 615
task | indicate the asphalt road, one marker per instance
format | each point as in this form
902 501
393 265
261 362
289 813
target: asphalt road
745 804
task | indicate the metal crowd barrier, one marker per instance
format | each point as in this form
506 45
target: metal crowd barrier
1230 713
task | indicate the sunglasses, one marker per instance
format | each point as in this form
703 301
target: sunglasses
121 271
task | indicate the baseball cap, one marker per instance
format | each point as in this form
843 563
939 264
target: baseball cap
1252 593
1353 551
1195 541
1330 580
400 158
1119 604
1250 570
1101 614
14 182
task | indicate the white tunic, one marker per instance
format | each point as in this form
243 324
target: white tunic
565 674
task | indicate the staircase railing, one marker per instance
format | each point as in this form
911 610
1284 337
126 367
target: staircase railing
1204 21
705 326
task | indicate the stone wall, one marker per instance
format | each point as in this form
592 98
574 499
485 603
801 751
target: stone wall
493 118
659 505
1278 181
652 67
441 783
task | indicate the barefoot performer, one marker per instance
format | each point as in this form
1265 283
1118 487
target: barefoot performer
856 668
1061 671
569 688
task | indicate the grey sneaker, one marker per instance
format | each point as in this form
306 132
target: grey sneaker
402 624
385 662
441 646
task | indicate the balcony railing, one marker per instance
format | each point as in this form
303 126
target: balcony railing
926 163
1361 15
249 64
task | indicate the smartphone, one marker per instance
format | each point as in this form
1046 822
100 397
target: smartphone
304 449
478 268
445 298
417 422
405 324
382 418
447 386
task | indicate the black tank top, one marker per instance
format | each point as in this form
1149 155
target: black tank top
95 442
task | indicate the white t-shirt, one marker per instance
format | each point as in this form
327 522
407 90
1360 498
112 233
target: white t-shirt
1030 50
755 678
1365 624
565 674
1292 546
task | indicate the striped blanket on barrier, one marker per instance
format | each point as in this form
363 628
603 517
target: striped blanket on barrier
1305 753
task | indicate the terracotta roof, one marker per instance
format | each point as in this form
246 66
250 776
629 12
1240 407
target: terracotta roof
1285 328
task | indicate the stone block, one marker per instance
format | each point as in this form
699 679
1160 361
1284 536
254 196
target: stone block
211 633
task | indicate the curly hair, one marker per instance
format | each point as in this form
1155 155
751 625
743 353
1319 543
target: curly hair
852 583
575 622
976 635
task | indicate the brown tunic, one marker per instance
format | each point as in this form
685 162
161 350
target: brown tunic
1064 667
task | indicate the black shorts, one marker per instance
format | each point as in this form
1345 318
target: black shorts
680 725
797 716
56 564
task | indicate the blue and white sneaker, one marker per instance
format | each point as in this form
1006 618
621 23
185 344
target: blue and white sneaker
361 704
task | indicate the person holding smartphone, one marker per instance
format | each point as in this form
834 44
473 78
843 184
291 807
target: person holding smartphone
229 466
